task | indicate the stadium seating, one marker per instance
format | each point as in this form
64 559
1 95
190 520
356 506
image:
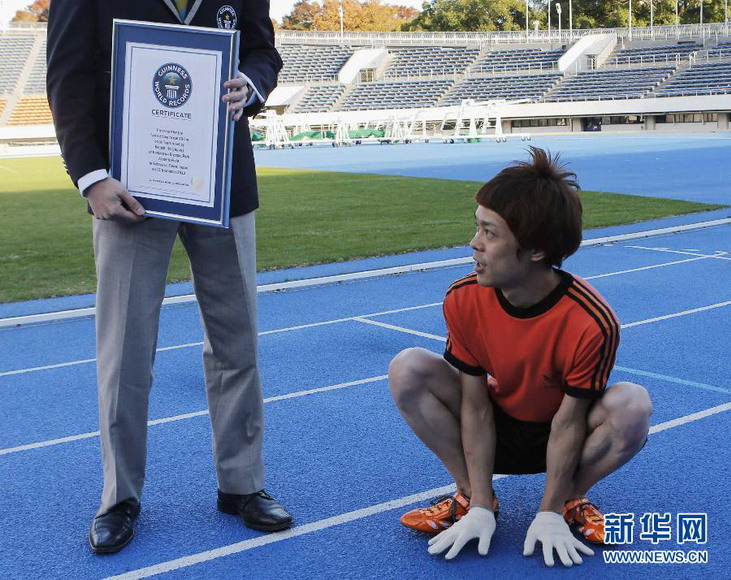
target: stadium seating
31 111
721 50
631 83
318 99
312 63
395 95
36 84
14 48
513 87
422 61
649 55
434 72
499 61
701 79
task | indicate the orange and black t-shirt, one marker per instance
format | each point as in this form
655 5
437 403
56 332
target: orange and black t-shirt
565 344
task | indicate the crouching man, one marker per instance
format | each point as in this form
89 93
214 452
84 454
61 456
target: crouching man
522 387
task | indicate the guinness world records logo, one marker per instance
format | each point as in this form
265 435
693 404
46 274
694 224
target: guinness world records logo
172 85
226 17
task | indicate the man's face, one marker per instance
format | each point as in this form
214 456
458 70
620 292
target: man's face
496 252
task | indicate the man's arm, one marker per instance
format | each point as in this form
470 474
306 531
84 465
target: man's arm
259 62
73 94
568 433
478 443
478 438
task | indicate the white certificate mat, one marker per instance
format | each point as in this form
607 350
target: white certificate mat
171 128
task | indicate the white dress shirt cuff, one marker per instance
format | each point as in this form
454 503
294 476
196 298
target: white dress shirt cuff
255 94
86 181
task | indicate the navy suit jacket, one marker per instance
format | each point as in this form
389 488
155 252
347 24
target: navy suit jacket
78 76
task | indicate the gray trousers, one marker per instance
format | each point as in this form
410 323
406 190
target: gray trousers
132 263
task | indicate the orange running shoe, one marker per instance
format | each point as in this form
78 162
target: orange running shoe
585 517
444 512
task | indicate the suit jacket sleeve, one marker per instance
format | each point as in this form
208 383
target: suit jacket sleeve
258 58
72 85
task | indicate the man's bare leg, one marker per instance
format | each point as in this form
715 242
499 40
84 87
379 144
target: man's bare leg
618 426
427 392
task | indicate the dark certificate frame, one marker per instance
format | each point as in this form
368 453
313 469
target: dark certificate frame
214 210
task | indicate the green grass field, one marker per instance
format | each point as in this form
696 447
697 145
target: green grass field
306 217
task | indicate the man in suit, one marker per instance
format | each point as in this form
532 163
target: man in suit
132 254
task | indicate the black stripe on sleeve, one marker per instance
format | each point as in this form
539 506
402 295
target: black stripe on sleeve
613 327
609 328
466 281
462 366
583 393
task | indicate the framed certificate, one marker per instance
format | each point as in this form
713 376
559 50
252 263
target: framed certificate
170 133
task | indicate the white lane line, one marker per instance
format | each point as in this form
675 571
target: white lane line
676 380
677 314
164 420
399 328
20 321
627 325
263 333
718 255
16 322
617 367
350 318
360 318
335 320
297 394
281 536
48 367
347 517
325 389
658 232
49 443
654 266
689 418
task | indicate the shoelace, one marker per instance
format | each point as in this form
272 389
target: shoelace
588 511
437 506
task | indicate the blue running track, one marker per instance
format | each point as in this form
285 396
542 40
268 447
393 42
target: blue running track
338 455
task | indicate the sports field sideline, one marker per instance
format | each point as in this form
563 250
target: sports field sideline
337 453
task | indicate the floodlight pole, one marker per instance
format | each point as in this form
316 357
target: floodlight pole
526 20
549 22
652 19
571 20
558 10
703 34
342 27
630 19
725 17
677 21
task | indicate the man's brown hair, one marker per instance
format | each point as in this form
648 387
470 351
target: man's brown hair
539 201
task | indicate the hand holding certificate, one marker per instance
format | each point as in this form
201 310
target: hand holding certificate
170 136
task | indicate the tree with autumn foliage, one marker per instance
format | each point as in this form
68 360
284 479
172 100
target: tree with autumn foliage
615 14
470 15
367 15
487 15
35 12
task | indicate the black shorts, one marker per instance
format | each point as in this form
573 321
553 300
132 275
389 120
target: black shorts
521 445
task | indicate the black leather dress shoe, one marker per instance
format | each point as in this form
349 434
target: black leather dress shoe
258 511
113 530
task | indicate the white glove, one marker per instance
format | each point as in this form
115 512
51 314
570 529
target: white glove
477 523
550 529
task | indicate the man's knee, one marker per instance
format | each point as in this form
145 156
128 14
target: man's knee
628 408
408 373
